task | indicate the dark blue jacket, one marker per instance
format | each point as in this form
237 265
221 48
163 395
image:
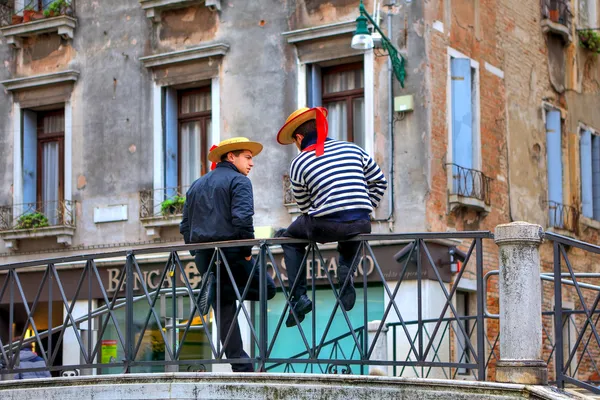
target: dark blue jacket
219 206
28 359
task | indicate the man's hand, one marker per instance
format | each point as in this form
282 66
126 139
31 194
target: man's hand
248 258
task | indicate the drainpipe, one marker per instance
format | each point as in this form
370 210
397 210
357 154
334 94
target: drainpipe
390 217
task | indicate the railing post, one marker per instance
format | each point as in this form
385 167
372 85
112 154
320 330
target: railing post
129 333
263 345
380 352
520 305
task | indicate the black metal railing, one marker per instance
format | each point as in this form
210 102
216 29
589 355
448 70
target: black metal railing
6 12
163 202
33 216
33 10
563 216
558 11
138 319
576 333
468 182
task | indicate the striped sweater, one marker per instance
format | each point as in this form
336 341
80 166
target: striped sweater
345 178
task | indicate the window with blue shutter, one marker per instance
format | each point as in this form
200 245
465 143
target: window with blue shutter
596 176
171 145
554 166
462 86
30 145
585 157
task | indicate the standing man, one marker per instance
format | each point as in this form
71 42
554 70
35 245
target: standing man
219 206
336 185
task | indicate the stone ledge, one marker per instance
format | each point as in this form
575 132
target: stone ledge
154 8
263 386
63 25
40 80
192 54
63 234
153 225
320 32
592 223
557 28
456 201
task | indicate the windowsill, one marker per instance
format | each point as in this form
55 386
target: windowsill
153 8
560 231
153 225
63 234
63 25
592 223
456 201
558 29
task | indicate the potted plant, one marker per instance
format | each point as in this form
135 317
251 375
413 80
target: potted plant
17 19
172 206
32 221
554 15
28 12
58 7
589 39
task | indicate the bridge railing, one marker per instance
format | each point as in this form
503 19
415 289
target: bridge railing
150 321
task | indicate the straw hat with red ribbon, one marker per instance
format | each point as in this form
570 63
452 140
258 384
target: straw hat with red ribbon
233 144
299 117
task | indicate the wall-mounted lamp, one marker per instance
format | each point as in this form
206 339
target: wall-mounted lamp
362 40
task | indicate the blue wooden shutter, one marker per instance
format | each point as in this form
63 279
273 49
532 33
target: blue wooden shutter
171 142
585 156
596 175
314 86
462 119
554 161
29 157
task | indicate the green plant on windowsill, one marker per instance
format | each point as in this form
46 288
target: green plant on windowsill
172 206
590 39
57 7
32 221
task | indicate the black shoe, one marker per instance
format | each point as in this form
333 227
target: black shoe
348 295
207 297
302 307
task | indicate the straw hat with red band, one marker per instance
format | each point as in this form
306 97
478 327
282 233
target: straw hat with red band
233 144
299 117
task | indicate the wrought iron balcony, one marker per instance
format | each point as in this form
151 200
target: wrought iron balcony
36 220
557 18
161 208
35 18
37 215
469 184
562 216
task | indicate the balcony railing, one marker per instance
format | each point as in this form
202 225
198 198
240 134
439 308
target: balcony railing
31 11
557 11
471 183
562 216
37 215
163 202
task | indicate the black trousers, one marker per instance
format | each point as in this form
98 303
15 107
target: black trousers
225 310
320 230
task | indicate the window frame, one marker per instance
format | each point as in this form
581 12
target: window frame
47 138
476 112
348 95
203 117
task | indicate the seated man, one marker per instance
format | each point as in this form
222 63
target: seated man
336 185
219 206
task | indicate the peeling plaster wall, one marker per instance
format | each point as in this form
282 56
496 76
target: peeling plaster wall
6 137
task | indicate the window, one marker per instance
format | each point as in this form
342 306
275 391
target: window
187 128
464 149
194 127
588 13
554 166
37 5
340 89
43 162
589 149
